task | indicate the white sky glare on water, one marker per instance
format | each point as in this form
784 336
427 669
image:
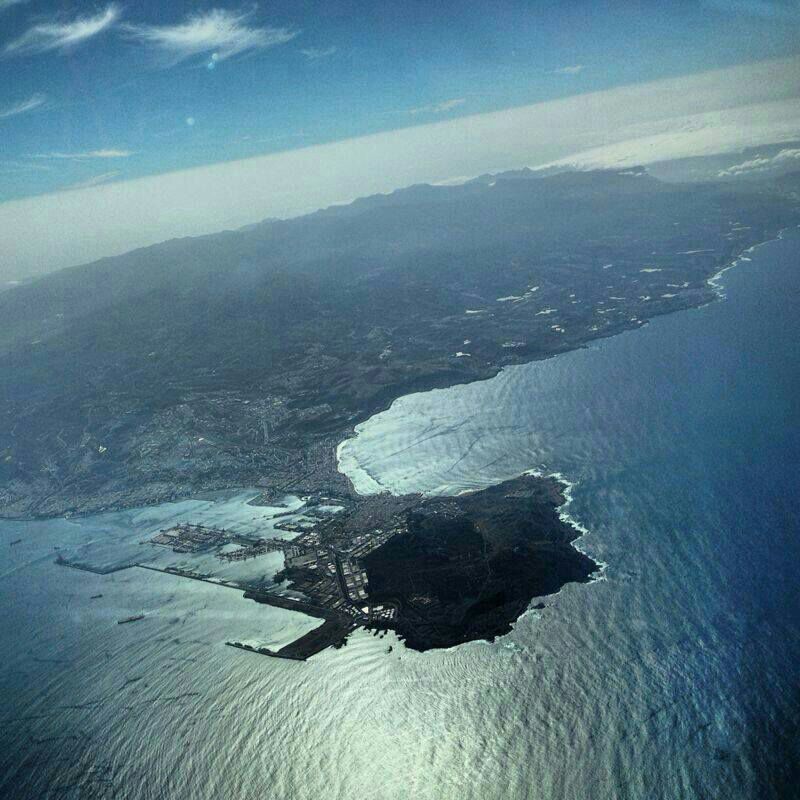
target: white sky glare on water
719 111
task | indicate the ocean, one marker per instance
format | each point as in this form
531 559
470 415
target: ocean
676 674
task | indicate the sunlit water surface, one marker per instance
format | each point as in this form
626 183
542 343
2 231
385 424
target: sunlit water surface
676 676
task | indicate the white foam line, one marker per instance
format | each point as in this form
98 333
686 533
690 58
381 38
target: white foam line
599 575
567 518
715 281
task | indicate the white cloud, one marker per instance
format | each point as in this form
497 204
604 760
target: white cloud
219 32
315 53
720 111
761 163
699 134
23 106
572 69
767 9
4 4
61 35
93 181
89 154
438 108
23 166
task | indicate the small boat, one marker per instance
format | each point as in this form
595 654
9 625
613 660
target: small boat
134 618
95 597
16 541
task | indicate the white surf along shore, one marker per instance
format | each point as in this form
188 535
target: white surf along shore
365 483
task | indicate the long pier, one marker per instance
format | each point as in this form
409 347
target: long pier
61 561
263 651
332 633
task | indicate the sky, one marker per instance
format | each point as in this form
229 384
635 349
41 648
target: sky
124 123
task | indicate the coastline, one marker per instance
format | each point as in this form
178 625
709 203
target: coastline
565 485
568 519
153 494
715 281
685 592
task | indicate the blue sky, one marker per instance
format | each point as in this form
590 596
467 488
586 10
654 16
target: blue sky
95 93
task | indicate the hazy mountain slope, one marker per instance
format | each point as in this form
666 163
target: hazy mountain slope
246 355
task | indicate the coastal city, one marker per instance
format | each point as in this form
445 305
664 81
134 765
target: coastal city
323 573
437 570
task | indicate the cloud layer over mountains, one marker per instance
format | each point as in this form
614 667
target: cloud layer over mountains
719 111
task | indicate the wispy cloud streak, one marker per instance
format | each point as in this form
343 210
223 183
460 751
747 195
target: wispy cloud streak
438 108
570 69
89 154
23 106
57 34
23 166
220 32
766 9
315 53
4 4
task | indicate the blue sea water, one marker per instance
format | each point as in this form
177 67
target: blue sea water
677 675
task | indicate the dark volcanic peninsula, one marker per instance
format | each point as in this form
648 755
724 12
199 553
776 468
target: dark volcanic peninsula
439 570
468 566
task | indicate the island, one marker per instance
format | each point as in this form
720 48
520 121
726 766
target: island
245 359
